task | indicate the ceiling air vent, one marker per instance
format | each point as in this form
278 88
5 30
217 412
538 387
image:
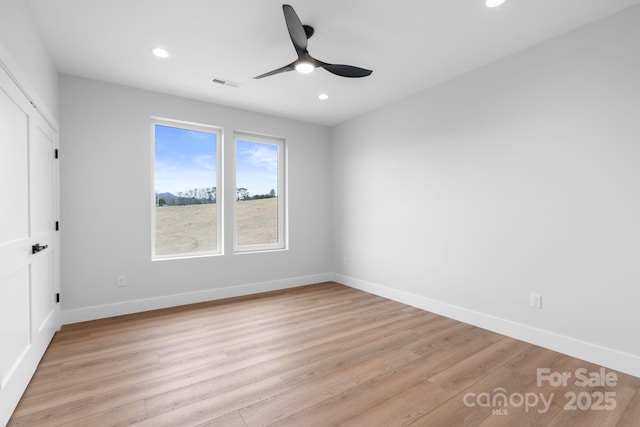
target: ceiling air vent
225 82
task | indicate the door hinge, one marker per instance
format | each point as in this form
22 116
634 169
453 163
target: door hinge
55 153
58 297
57 225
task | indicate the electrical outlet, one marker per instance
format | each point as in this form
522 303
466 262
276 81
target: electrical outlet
122 280
536 301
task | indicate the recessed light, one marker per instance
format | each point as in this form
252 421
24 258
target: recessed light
160 52
323 96
305 67
493 3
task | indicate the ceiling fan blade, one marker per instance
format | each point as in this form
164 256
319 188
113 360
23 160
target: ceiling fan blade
296 29
284 69
345 70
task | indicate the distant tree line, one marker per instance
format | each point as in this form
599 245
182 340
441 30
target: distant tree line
243 194
196 196
204 196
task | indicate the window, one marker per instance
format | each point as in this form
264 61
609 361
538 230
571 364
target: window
259 211
187 196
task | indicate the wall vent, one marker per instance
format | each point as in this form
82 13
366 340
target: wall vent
225 82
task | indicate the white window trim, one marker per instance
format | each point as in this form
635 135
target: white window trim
282 191
219 187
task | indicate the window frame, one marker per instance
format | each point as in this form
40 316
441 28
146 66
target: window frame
281 191
219 184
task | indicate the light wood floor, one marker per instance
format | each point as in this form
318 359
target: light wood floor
313 356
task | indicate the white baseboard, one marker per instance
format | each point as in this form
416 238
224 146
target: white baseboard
594 353
128 307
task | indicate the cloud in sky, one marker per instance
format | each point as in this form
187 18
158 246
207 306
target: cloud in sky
260 156
206 161
257 166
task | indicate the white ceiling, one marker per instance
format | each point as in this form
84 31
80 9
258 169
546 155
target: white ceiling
409 44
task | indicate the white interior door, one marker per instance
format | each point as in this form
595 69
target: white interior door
28 212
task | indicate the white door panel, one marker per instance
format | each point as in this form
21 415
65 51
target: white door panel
14 256
28 280
14 181
42 292
14 305
42 183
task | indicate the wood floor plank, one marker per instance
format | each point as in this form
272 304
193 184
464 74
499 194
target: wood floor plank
316 355
295 399
33 401
329 412
631 415
353 402
451 332
454 349
51 414
346 322
178 397
459 340
230 420
463 408
481 364
412 330
405 408
121 416
215 407
533 358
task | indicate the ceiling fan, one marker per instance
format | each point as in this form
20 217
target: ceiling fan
306 63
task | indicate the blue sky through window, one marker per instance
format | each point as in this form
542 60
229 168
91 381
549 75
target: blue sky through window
184 159
256 167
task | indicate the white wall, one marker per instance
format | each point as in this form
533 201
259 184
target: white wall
105 146
520 177
23 51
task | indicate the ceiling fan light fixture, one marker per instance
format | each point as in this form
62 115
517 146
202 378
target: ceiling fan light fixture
305 67
493 3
